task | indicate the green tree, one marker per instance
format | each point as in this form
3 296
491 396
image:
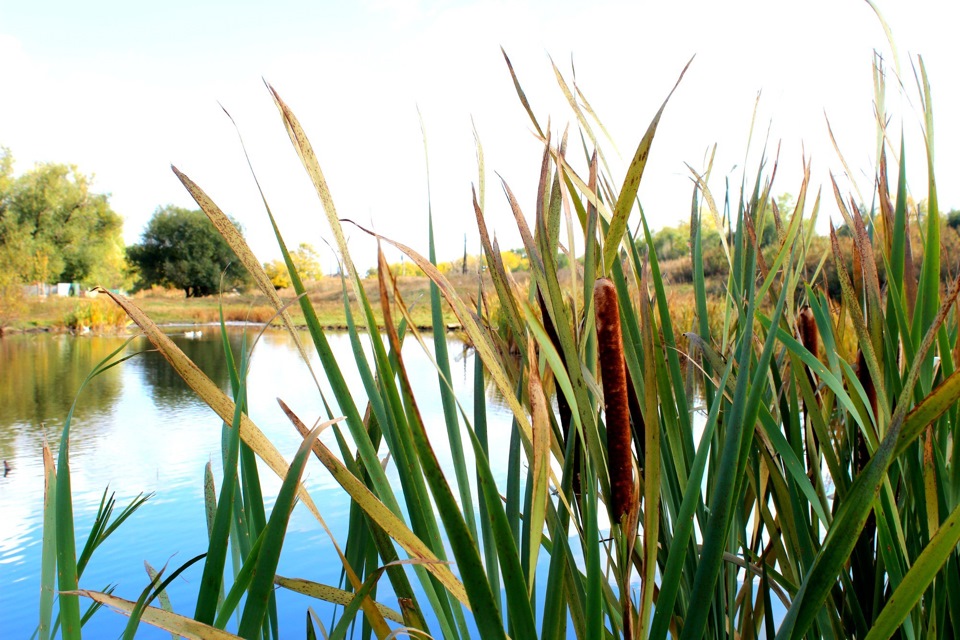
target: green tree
953 219
181 248
671 243
54 229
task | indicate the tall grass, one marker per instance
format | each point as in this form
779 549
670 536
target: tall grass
817 497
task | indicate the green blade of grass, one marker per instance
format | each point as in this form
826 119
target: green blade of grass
673 572
485 607
855 508
67 570
150 594
628 191
262 585
915 582
446 394
211 582
392 524
477 335
739 433
161 594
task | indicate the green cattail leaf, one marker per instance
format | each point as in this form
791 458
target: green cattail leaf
855 508
925 568
392 524
211 583
628 191
521 94
479 337
262 585
162 594
443 361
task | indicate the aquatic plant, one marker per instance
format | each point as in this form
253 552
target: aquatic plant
625 512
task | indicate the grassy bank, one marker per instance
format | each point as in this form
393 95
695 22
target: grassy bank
171 307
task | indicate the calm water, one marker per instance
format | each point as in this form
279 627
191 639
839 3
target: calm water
138 428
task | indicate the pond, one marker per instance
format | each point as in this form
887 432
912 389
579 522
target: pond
139 428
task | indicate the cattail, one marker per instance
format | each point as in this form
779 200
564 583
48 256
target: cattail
807 328
810 337
616 407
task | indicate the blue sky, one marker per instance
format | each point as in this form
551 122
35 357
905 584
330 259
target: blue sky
124 89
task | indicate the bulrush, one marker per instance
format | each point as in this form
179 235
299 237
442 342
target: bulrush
616 407
810 338
807 328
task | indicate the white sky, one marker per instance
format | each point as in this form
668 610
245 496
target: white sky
123 89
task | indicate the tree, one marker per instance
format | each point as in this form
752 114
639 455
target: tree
953 219
671 243
181 248
54 229
306 261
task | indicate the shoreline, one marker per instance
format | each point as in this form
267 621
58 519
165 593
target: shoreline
450 328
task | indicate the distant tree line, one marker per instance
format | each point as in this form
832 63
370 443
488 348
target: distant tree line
53 228
672 246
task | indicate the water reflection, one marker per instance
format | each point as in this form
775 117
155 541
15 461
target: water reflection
39 379
138 427
41 374
167 389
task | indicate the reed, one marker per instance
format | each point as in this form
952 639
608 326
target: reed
723 527
615 404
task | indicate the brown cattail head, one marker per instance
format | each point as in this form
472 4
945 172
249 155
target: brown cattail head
807 328
616 407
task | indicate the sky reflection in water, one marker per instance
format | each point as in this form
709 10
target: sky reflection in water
139 428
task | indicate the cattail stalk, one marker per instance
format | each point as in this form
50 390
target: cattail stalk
616 404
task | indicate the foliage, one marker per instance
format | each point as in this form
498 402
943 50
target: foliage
12 303
306 260
96 314
181 249
953 219
53 229
670 243
514 259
